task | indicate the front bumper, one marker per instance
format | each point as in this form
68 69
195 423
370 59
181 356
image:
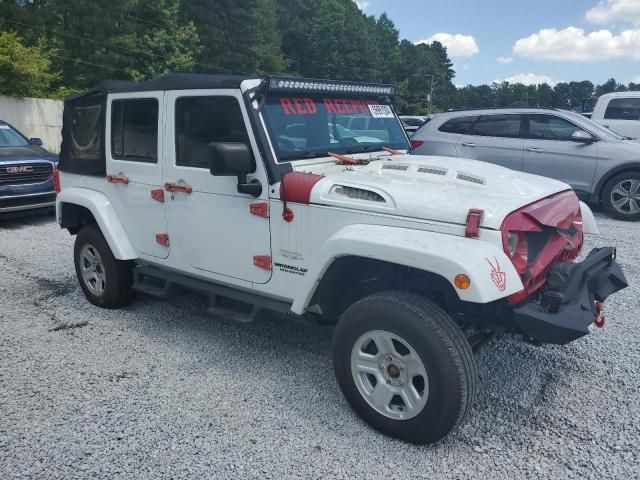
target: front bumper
31 201
567 305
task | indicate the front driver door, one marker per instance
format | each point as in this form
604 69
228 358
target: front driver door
211 228
550 152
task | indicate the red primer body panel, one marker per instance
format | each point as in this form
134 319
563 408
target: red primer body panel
296 187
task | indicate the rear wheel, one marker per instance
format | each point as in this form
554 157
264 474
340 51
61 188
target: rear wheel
105 281
621 196
404 366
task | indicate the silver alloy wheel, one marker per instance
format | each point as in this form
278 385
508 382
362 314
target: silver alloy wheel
625 197
92 269
389 375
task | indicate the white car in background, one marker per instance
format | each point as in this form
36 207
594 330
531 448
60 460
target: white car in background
619 112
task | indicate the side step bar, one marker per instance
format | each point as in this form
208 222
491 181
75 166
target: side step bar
227 302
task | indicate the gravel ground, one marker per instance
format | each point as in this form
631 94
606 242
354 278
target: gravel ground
161 390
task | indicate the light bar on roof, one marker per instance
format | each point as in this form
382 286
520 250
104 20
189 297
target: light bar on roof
293 84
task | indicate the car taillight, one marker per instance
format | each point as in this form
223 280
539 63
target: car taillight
56 180
416 143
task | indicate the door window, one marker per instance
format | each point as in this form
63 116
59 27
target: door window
550 127
134 130
460 125
623 109
506 126
203 120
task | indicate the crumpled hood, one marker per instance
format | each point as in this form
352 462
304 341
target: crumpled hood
429 188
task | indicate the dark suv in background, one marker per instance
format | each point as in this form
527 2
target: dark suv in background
26 172
601 166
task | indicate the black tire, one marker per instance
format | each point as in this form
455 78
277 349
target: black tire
441 346
607 200
118 274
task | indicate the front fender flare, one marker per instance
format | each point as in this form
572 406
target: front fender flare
104 213
438 253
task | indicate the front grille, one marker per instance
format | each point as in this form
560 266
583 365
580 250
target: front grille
27 200
24 173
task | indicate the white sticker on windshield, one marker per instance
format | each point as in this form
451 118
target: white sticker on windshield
381 111
4 127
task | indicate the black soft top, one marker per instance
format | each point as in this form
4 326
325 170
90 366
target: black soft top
172 81
83 126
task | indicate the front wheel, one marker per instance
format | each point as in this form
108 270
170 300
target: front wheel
621 196
105 281
404 366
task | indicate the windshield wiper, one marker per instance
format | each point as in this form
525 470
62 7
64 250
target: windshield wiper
370 148
304 155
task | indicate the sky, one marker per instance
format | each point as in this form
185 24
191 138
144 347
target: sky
528 42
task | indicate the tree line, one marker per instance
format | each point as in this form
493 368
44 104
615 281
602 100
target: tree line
55 47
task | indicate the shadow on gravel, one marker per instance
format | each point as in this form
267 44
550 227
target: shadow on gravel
515 379
20 220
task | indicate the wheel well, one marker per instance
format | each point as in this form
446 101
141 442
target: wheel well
614 173
74 217
350 279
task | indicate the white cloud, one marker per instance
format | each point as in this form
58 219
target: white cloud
610 11
457 45
573 43
528 79
636 79
362 4
504 60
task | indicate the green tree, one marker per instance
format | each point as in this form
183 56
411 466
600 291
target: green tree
24 71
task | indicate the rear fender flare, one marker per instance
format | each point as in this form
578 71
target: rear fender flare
104 213
441 254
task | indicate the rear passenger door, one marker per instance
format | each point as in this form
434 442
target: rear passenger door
447 141
134 168
550 152
495 139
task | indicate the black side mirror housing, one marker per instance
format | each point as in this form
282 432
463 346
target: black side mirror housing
36 141
234 159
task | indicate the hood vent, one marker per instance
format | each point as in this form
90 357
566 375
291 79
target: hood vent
356 194
432 170
390 166
469 178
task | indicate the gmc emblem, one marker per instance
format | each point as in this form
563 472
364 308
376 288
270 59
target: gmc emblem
20 169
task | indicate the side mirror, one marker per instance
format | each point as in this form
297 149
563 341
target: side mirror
581 136
35 141
232 159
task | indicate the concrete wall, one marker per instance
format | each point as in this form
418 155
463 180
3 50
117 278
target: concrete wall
35 117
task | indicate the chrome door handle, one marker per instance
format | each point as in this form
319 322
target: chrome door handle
534 149
471 145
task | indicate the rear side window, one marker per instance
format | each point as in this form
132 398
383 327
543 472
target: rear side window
506 126
203 120
460 125
623 109
134 130
550 127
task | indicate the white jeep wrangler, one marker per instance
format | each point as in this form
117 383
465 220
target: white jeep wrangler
256 192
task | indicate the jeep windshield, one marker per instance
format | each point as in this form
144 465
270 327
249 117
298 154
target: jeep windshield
311 125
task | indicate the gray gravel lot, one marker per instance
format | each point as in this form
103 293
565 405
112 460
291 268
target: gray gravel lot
161 390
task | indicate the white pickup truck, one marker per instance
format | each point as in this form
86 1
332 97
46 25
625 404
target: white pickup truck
255 192
619 112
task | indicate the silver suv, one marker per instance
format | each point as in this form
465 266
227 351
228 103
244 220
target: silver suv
601 166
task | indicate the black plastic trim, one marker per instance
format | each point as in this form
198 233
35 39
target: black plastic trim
577 286
210 288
